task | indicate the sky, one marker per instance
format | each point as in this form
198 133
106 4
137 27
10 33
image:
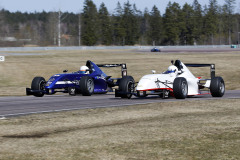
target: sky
76 6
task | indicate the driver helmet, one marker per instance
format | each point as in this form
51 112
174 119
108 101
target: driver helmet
172 70
84 70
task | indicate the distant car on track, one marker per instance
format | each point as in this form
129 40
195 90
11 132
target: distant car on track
86 82
155 50
177 81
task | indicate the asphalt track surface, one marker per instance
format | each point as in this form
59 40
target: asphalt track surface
25 105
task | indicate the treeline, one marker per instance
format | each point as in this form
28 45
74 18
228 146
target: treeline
191 24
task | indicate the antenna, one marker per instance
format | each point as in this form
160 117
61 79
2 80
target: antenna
60 19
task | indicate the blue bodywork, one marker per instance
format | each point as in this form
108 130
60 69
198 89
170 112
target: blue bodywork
66 80
155 50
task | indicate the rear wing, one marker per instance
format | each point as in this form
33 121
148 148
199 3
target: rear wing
212 67
123 67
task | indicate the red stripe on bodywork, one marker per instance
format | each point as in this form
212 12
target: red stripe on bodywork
154 89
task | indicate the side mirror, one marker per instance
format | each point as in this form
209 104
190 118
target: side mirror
153 71
65 71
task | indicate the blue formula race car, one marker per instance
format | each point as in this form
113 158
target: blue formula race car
90 79
155 50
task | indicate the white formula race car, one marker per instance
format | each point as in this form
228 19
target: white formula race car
177 81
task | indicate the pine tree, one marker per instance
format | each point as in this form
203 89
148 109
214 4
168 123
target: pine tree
1 23
130 25
229 18
222 32
119 32
138 15
155 26
197 21
105 30
89 23
172 23
187 25
144 27
211 20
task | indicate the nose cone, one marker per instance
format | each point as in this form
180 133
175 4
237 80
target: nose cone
146 83
155 82
51 83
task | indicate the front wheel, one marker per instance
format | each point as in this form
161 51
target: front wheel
86 86
38 84
217 87
126 86
180 88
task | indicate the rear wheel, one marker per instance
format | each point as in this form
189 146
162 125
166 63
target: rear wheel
38 83
180 88
217 87
86 86
126 86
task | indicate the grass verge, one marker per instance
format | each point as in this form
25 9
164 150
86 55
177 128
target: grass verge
174 130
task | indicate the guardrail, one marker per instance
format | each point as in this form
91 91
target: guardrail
107 47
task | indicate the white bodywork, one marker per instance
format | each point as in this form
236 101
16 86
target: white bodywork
156 82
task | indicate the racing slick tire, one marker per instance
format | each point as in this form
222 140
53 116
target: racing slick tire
180 88
126 86
86 86
38 83
217 87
